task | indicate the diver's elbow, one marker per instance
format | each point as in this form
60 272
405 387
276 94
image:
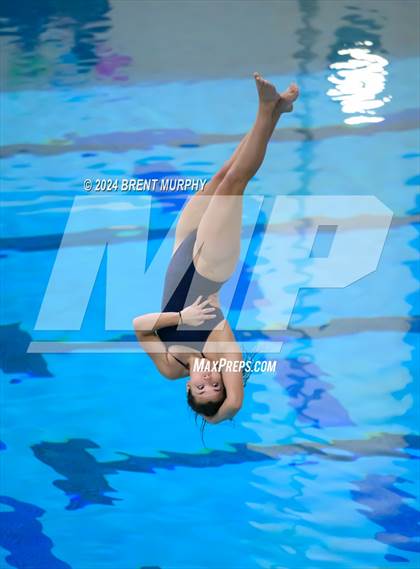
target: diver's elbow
235 406
137 323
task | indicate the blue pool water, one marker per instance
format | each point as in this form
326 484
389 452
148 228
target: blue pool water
103 466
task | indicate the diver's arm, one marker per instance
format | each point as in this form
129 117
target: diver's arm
153 345
193 315
148 323
233 382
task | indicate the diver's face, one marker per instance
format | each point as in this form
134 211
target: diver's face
206 386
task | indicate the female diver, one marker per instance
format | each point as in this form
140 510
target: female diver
191 329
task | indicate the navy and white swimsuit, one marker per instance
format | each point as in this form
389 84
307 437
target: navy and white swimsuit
183 285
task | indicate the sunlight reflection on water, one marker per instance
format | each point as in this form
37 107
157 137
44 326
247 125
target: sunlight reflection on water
358 81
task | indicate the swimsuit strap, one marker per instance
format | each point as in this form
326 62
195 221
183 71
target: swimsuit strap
179 361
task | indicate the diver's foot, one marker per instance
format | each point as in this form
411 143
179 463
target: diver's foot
278 103
286 99
267 93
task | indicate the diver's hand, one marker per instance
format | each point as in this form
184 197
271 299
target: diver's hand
197 313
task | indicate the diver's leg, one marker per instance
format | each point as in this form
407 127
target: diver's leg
195 207
217 245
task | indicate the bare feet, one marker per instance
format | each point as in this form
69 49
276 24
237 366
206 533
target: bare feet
278 102
267 93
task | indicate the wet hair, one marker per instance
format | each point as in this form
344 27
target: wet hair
208 409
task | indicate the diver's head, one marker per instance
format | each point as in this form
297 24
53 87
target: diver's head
205 391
